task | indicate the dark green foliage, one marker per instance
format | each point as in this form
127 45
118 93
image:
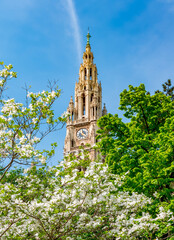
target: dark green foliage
12 176
143 148
168 89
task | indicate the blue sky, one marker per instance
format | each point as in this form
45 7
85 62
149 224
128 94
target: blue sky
132 42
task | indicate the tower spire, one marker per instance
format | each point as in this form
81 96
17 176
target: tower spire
88 38
86 109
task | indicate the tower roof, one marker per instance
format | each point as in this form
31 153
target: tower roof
88 55
104 111
71 102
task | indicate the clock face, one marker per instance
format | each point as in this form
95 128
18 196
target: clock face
82 133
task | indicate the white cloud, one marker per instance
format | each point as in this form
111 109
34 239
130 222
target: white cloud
75 26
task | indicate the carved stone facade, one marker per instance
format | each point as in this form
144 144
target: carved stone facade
87 109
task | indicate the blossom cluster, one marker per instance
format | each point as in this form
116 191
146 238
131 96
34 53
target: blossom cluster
65 203
23 126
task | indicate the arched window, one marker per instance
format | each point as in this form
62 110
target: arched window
90 73
83 97
92 95
85 73
72 116
72 143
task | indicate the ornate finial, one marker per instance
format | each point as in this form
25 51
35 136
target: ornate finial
104 112
88 37
71 104
71 100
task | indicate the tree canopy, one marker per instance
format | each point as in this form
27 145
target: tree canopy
143 146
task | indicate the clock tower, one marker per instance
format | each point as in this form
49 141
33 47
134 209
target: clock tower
86 109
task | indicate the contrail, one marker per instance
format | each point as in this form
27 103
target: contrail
75 26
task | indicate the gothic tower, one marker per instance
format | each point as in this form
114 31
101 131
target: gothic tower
83 115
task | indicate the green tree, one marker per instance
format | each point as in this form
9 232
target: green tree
168 89
142 148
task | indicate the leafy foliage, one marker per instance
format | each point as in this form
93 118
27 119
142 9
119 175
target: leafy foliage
142 148
168 89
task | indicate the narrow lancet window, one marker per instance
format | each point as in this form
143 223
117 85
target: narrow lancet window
83 104
94 75
85 73
72 143
90 73
92 95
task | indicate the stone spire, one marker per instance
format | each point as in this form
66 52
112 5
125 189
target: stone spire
88 55
70 110
104 111
71 103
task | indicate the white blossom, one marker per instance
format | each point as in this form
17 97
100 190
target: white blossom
88 202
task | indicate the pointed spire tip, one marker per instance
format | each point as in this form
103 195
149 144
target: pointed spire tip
88 37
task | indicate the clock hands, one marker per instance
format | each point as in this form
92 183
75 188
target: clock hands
83 134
